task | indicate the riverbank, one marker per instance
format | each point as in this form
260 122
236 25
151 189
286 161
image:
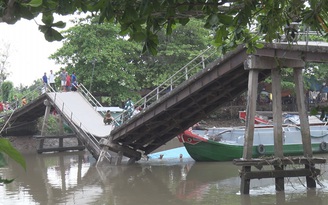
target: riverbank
30 144
24 144
235 122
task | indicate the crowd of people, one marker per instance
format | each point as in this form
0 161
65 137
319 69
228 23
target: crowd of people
5 106
68 82
13 104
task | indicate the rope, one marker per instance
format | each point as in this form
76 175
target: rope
320 136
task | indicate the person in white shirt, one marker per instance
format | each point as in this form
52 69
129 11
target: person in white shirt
51 80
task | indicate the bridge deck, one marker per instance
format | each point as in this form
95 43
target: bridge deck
80 111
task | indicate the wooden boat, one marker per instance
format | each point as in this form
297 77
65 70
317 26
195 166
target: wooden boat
225 144
257 120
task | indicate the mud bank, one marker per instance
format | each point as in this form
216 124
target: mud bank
30 144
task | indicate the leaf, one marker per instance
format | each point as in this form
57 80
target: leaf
129 15
33 3
212 19
23 11
184 21
59 24
150 46
50 34
53 35
7 148
47 18
218 37
6 181
259 45
145 7
138 36
225 19
43 28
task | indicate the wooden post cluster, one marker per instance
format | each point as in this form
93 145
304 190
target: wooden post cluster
254 64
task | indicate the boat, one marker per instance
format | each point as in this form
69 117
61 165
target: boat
226 144
257 120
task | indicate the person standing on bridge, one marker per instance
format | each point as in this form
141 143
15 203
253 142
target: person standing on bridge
51 79
68 82
45 82
63 76
15 102
74 85
24 101
73 78
129 108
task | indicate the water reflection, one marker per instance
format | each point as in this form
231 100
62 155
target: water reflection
48 177
66 173
72 178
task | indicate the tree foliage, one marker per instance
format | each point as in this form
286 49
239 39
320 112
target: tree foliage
115 67
6 88
234 21
4 64
103 61
174 52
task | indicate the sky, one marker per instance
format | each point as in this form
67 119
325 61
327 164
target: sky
29 51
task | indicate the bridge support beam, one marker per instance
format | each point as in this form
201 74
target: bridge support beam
305 128
249 132
261 62
45 121
277 119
